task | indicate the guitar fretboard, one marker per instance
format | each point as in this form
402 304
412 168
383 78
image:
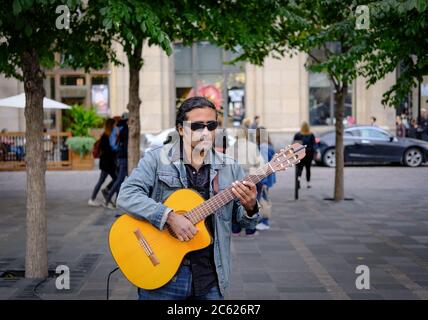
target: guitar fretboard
210 206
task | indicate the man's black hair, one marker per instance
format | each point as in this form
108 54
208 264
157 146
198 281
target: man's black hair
190 104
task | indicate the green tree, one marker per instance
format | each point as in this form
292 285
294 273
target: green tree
31 33
83 119
325 30
328 32
132 23
397 35
394 34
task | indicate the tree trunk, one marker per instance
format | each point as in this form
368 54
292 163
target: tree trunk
135 63
36 260
339 116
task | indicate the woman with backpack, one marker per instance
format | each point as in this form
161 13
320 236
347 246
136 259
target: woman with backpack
122 161
107 160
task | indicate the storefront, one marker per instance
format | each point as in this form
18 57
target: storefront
282 92
201 69
322 102
76 87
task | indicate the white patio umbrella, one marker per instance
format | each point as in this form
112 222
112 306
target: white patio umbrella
19 102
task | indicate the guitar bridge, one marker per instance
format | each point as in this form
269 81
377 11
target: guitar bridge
147 249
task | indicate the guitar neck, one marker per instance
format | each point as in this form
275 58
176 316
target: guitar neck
210 206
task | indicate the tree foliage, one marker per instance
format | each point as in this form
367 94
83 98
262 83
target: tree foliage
397 35
32 35
33 24
83 119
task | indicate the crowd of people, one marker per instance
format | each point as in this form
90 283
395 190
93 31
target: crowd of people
410 127
258 150
11 148
113 156
112 149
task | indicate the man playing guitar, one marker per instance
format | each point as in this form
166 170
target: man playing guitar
191 161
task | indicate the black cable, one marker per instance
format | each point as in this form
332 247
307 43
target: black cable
38 285
108 280
34 290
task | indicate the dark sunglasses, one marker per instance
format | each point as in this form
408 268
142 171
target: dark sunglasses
211 125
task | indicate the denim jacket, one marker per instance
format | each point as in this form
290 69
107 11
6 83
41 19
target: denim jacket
161 172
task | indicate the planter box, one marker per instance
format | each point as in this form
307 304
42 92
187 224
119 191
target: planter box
82 163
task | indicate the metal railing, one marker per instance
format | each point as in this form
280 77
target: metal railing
13 151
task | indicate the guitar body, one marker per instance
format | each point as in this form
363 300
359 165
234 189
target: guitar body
131 256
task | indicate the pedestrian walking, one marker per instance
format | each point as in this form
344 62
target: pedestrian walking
256 123
306 137
267 151
423 124
413 131
122 160
246 123
107 162
400 129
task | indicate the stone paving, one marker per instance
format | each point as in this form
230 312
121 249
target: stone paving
311 251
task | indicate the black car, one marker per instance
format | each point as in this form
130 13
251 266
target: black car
371 144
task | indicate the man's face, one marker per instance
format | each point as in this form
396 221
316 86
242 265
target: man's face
202 138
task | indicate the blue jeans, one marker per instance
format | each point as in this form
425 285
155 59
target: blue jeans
262 193
123 172
179 288
236 228
103 177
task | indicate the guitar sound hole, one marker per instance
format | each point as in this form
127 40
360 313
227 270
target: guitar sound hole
168 227
171 232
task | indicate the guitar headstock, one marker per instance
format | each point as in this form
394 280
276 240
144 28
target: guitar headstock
288 157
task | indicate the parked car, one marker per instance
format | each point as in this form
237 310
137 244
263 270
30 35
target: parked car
370 144
151 141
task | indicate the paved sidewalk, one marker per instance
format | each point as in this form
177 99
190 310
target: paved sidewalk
311 251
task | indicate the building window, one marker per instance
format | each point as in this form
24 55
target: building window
100 94
322 102
200 70
100 80
72 80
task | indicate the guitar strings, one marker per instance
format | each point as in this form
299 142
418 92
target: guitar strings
211 205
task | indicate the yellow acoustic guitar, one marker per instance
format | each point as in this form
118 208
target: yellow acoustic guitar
148 257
